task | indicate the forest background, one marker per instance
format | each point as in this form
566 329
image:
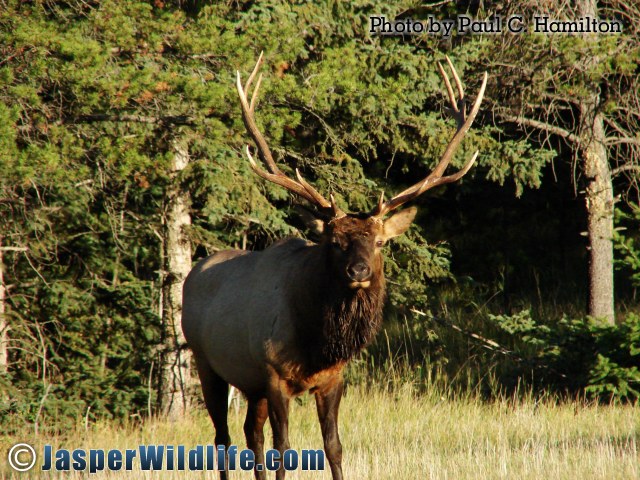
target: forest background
121 155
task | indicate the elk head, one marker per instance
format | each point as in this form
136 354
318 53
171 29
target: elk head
354 240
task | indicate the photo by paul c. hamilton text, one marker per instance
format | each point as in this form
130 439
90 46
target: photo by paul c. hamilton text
515 24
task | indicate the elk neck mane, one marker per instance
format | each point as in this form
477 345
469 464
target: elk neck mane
350 323
336 321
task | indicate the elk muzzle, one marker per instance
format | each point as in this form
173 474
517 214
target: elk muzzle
359 273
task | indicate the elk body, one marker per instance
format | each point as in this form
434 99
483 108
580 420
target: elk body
286 320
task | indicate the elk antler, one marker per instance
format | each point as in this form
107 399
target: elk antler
300 187
435 178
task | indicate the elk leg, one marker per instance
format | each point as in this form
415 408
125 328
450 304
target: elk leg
328 403
257 412
215 391
279 420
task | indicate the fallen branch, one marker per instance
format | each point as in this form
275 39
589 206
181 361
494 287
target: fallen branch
105 117
486 343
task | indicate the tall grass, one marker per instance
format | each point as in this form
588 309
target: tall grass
425 401
401 434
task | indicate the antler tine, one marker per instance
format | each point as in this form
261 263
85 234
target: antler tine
457 108
274 175
319 199
252 106
279 179
452 97
427 183
455 77
380 201
256 68
248 116
461 132
337 213
435 178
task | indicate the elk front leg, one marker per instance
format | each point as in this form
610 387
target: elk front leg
257 413
328 403
279 418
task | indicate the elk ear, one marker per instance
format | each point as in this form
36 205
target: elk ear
314 224
399 223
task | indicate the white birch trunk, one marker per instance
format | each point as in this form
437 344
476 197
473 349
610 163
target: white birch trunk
175 373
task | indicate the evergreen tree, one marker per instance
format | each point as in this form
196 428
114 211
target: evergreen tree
99 99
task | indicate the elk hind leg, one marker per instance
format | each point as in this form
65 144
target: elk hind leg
215 391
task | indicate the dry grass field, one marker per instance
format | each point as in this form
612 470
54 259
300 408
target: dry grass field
404 436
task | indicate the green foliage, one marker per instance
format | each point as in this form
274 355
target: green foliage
627 242
92 96
574 356
609 380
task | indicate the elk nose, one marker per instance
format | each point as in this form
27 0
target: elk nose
359 272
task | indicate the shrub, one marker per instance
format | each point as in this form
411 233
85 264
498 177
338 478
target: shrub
576 356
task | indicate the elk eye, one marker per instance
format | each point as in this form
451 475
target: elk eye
380 243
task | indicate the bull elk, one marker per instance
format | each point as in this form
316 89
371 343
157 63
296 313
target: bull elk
286 320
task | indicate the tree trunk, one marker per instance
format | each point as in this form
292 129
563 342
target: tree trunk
175 372
599 200
4 326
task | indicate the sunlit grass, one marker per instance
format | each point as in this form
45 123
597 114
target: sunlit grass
400 435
